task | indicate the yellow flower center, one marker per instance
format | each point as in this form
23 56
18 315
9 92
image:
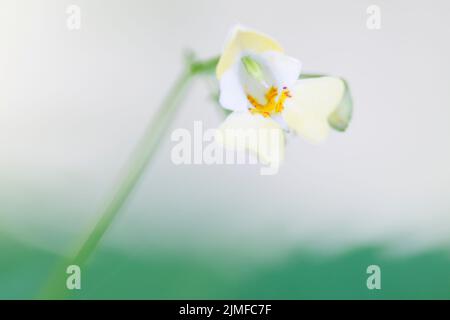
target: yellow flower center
274 102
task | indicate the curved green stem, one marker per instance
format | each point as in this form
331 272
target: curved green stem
135 167
129 177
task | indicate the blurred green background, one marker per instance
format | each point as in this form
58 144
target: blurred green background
177 275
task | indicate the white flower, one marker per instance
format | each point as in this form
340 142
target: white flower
261 85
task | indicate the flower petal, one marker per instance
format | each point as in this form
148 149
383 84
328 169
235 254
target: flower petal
232 94
243 39
284 70
261 136
278 69
312 102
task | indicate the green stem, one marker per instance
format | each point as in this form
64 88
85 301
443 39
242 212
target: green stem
136 166
130 176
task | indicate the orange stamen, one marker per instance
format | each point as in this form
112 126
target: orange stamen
272 105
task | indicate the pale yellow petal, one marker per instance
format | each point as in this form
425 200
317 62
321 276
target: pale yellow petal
312 102
244 40
261 136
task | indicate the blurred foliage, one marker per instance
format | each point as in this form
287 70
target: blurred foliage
162 274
